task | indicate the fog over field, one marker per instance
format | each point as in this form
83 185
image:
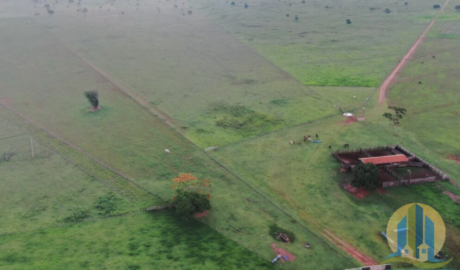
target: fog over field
112 112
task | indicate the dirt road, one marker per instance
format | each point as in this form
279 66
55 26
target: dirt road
386 84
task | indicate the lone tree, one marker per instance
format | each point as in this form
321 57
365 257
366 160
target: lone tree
246 5
457 8
192 195
348 21
398 114
387 11
296 18
366 176
405 3
436 6
93 98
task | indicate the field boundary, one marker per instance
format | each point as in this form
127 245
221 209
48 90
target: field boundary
117 181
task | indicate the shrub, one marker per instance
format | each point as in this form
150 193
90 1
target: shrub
106 204
188 203
366 176
93 98
77 215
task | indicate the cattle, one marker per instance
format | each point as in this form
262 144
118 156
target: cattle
346 145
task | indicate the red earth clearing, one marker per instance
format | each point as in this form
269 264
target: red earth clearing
280 251
454 158
202 214
364 259
95 109
350 120
386 84
359 193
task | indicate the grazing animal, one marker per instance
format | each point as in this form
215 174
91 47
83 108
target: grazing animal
330 147
456 112
434 56
305 138
292 142
317 136
346 145
419 82
167 151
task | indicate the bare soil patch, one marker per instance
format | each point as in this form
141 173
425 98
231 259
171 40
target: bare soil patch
454 158
280 251
359 193
202 214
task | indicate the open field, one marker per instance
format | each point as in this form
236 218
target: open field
46 190
217 75
140 241
125 136
320 48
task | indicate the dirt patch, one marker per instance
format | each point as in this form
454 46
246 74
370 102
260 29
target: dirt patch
5 101
202 214
350 120
280 251
95 109
359 193
454 197
364 259
454 158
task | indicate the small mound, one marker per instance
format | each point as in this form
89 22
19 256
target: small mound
359 193
280 251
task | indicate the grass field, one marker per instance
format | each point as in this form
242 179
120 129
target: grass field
142 241
217 75
320 48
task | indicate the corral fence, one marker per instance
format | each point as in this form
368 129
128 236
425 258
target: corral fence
428 165
373 267
409 182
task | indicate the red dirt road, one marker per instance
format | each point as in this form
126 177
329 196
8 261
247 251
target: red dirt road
364 259
386 84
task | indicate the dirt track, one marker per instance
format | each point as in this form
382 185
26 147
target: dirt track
386 84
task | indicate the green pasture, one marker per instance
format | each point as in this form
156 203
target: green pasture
141 241
320 48
45 190
184 66
126 137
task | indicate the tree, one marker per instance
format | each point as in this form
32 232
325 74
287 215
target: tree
348 21
188 203
296 18
436 6
192 195
398 114
93 98
457 8
387 11
405 3
246 5
365 176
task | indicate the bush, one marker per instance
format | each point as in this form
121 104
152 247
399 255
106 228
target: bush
93 98
106 204
188 203
77 215
366 176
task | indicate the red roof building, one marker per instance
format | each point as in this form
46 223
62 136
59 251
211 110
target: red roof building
385 159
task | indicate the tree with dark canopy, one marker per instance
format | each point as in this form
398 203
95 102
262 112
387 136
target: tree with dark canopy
399 114
232 3
296 18
348 21
457 8
246 5
436 6
188 203
387 11
93 98
365 176
405 3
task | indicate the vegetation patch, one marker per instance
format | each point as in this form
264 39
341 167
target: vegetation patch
106 205
243 119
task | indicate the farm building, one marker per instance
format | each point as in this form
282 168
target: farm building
397 165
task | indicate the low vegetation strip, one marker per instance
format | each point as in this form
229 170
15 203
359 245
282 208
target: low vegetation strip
103 173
